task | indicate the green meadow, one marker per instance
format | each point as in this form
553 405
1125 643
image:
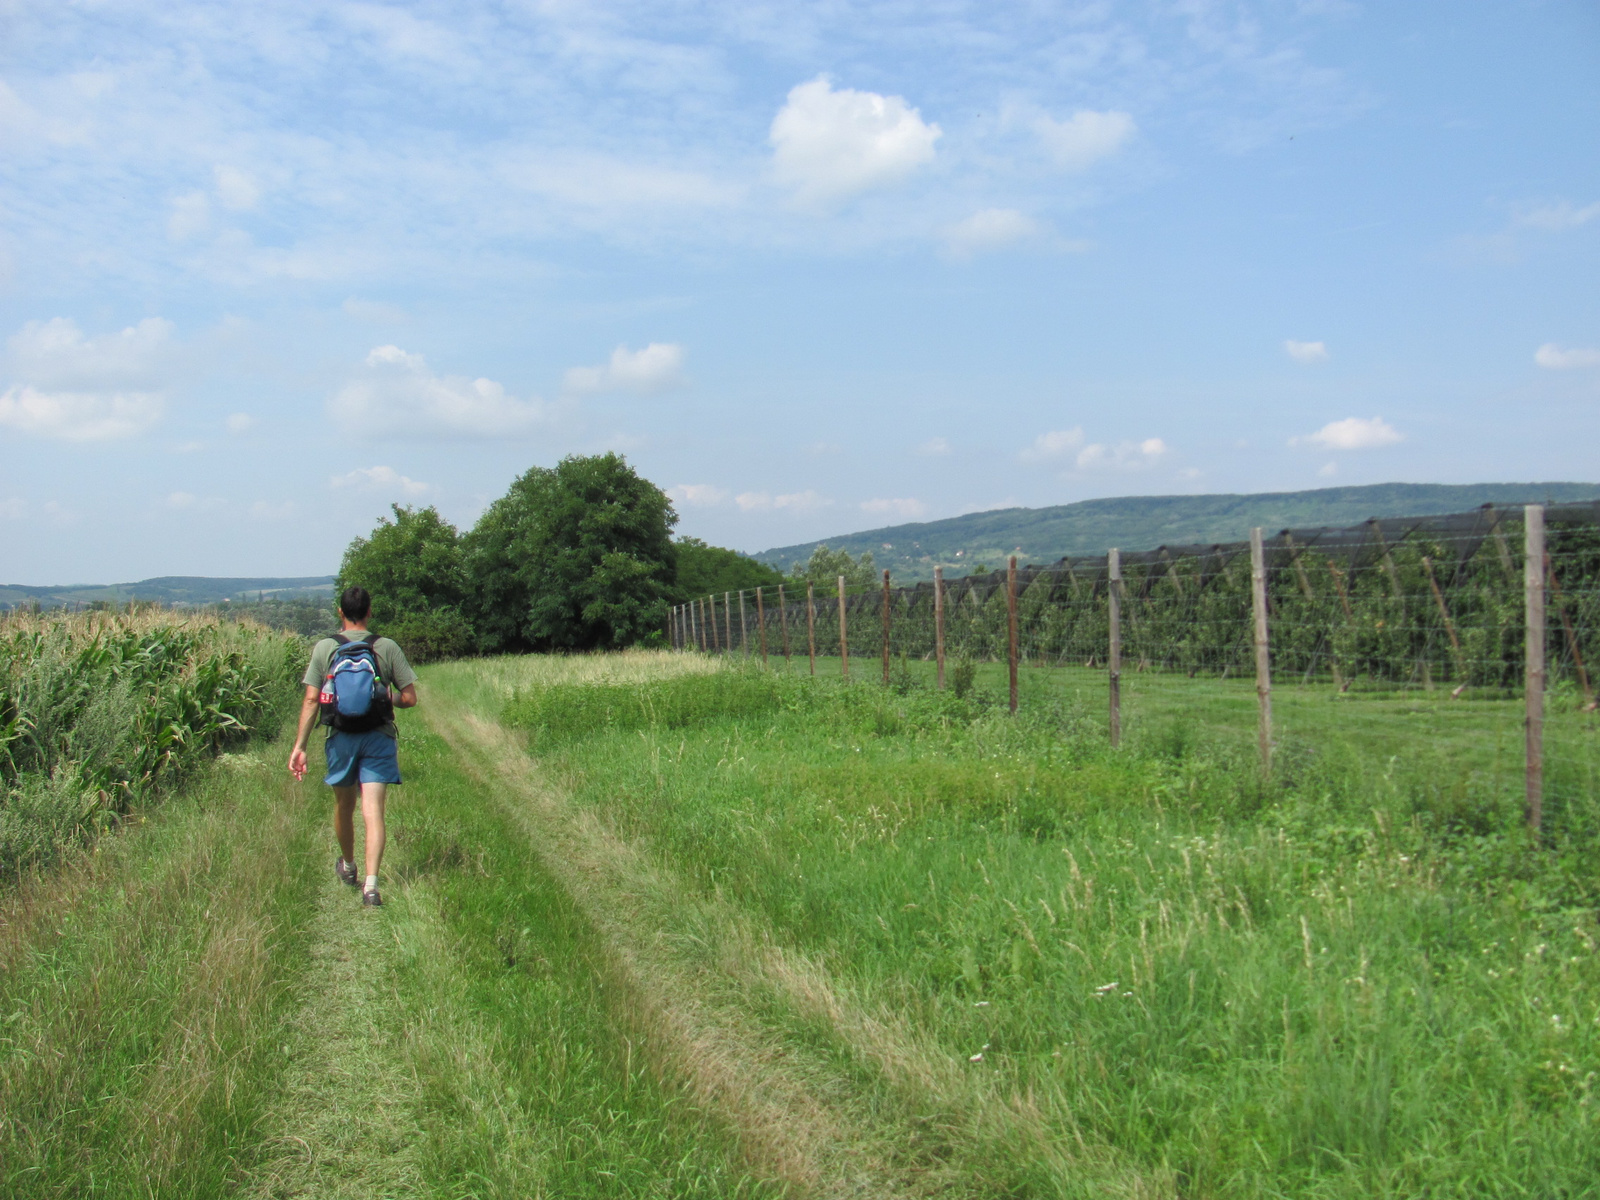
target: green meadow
667 925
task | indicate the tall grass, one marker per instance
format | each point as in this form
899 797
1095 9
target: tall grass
1354 978
100 711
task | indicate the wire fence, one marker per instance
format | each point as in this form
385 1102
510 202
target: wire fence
1492 613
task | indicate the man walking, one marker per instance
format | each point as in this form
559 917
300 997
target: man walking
356 682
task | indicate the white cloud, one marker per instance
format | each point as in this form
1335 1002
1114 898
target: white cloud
1554 218
181 500
240 424
380 479
1124 456
989 229
79 416
1306 352
1085 137
399 396
828 144
1328 470
908 509
55 354
698 495
237 190
1053 445
659 365
79 388
806 501
934 447
1553 358
1352 433
191 216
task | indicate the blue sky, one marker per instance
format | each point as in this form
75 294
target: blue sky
265 269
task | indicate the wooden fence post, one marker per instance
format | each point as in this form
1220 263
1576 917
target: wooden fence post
727 621
811 623
744 628
1258 607
1114 649
938 623
783 623
1533 591
705 635
844 642
761 626
1011 624
886 628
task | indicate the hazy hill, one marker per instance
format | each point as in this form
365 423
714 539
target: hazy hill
1043 535
169 589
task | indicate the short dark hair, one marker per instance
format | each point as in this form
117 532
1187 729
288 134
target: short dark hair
355 603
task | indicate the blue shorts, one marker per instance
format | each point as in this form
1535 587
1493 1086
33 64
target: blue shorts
361 757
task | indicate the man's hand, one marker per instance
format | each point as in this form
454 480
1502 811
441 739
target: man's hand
297 762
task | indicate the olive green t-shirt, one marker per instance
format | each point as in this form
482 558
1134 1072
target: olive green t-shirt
392 667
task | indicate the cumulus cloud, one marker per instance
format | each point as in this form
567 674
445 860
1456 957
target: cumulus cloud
805 501
934 447
1124 456
1085 137
381 479
907 509
828 145
1553 358
989 229
79 388
697 495
1352 433
399 395
1306 352
1053 445
659 365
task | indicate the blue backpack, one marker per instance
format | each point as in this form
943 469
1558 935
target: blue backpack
354 696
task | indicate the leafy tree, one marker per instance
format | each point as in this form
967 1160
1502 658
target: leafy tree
704 569
413 568
825 566
574 557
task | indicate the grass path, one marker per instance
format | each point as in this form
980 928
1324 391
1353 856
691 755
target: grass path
836 1098
344 1122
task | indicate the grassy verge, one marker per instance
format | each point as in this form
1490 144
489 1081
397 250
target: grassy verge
1354 980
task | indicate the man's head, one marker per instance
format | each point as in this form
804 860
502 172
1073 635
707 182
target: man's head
355 604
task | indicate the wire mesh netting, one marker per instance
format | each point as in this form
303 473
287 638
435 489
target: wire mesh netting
1416 627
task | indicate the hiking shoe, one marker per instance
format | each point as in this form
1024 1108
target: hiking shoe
346 871
371 899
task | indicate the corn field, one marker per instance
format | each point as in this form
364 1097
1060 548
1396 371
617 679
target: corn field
100 711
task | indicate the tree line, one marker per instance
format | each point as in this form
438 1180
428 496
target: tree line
579 556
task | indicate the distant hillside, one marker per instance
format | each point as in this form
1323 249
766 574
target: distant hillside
1043 535
168 589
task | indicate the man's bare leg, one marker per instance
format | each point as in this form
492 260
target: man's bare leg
372 798
344 820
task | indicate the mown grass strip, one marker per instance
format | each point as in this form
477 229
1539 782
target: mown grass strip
143 990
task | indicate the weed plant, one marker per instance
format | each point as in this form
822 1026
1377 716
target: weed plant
560 712
1354 977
